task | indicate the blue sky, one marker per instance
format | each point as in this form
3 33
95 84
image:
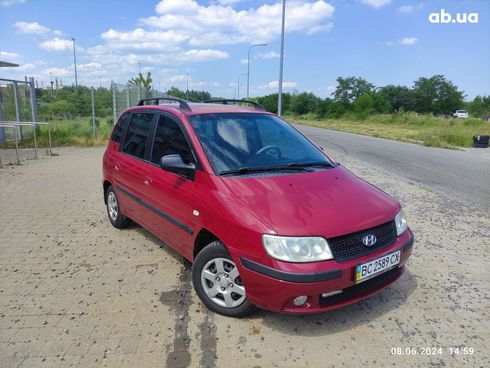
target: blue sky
384 41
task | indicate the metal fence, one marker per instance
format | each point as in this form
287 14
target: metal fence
77 115
128 95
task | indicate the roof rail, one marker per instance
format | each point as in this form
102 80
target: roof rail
183 104
225 101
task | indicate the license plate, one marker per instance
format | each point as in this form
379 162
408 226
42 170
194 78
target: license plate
372 268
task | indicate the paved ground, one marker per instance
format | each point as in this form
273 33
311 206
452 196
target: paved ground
76 292
465 174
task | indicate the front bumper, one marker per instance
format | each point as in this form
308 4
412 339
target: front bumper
274 289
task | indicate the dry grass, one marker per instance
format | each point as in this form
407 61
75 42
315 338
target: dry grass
426 130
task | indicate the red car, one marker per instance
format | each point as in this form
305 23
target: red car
265 216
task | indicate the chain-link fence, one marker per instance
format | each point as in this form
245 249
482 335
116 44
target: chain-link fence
78 115
128 95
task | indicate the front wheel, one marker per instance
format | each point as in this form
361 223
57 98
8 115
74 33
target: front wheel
218 283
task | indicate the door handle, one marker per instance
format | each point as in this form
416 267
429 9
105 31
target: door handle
116 167
147 181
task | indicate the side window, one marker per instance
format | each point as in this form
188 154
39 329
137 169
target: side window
118 132
137 135
170 139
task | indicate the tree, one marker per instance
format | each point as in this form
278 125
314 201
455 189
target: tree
364 105
398 97
480 106
350 88
436 95
142 82
304 103
270 102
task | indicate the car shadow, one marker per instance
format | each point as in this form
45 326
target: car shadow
330 322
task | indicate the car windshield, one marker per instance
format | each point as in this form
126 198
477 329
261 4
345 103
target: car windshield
248 142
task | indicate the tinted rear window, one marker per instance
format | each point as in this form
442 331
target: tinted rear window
137 135
120 128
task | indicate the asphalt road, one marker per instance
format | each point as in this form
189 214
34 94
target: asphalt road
464 174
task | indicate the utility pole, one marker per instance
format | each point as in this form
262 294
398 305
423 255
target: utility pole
75 62
281 63
187 86
248 65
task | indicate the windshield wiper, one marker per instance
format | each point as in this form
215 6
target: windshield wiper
310 164
248 170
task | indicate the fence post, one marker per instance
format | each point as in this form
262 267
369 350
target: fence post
114 102
18 112
2 130
93 111
128 102
33 100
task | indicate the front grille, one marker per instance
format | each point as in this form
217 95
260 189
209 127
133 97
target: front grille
363 288
350 246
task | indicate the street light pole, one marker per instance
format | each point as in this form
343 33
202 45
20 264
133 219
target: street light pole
202 90
281 63
187 86
75 62
248 66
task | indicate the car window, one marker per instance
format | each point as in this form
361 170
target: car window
120 128
169 140
237 140
137 135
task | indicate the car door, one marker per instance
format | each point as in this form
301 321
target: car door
169 194
130 165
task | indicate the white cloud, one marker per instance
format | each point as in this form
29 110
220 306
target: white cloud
139 39
10 56
34 28
410 8
376 4
216 24
31 28
229 2
7 3
269 55
275 85
28 66
59 72
56 44
409 41
244 61
178 78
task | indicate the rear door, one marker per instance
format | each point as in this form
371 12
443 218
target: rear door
130 166
167 194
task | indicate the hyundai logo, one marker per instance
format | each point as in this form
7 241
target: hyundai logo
369 240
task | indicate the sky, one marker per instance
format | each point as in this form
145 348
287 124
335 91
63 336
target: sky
207 41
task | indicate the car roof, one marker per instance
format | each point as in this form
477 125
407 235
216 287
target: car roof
177 105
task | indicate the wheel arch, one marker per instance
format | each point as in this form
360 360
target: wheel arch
202 239
106 185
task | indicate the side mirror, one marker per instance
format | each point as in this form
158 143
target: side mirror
175 164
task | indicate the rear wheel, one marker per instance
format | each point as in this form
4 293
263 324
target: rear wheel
218 283
116 218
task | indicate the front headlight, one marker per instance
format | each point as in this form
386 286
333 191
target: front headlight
297 249
401 223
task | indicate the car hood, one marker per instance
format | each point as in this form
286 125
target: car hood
325 203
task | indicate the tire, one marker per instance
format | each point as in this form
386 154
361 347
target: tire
117 219
217 282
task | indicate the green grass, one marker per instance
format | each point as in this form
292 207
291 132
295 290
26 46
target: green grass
76 132
422 129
